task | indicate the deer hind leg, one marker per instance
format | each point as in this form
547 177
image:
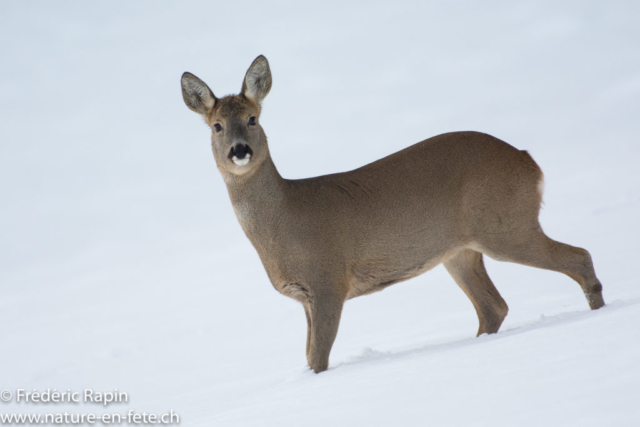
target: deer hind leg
535 249
467 269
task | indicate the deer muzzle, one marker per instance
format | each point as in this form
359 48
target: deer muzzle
240 154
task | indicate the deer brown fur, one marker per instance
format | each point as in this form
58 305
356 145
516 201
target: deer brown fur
448 199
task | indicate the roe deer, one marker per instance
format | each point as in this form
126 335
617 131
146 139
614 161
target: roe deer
448 199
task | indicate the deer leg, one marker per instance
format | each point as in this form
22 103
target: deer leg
324 317
467 269
537 250
308 315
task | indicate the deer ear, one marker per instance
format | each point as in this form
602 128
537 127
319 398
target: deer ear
257 82
197 95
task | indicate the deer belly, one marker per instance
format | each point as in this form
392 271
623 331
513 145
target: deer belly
374 275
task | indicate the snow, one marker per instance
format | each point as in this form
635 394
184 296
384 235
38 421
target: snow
122 265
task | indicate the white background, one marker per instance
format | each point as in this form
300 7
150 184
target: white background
123 266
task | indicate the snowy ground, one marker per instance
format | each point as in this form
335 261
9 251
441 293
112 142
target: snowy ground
122 264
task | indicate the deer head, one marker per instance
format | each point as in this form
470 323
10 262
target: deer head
238 141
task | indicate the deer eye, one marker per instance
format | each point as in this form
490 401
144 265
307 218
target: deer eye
218 127
252 121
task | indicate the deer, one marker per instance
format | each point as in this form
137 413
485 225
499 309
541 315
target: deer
450 199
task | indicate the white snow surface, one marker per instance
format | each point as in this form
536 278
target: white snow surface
122 264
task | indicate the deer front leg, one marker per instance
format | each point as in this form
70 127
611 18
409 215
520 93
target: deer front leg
308 315
323 317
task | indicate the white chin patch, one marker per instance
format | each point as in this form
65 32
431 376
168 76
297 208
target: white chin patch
242 162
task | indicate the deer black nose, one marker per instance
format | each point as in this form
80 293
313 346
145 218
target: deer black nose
240 151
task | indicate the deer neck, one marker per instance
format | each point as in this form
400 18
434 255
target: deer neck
257 199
